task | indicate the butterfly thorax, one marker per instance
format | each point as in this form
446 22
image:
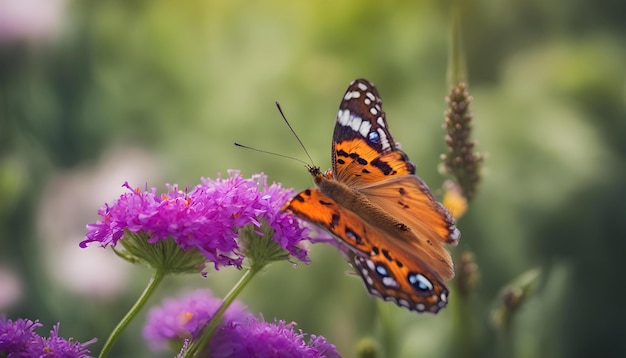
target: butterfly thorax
353 200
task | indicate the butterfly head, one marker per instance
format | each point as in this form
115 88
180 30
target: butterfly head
315 172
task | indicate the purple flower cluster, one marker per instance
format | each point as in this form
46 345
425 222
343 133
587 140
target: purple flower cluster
239 335
184 318
207 218
19 339
257 338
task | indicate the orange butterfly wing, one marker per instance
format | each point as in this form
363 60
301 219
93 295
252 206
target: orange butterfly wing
365 156
317 208
393 275
409 199
363 150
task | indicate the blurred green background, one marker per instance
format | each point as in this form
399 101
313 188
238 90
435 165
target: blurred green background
96 93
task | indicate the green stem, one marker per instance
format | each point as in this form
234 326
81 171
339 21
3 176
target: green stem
389 329
207 332
456 64
464 333
155 280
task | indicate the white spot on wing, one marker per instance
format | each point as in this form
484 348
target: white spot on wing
365 128
390 282
353 94
373 111
383 139
343 117
380 122
349 119
426 282
454 236
370 95
367 101
355 122
420 307
362 86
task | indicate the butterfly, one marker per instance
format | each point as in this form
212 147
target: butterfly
381 214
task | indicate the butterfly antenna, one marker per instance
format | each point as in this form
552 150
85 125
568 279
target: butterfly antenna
271 153
292 131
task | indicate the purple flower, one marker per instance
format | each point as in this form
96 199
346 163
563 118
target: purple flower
257 338
17 336
18 339
239 334
179 319
207 219
288 231
55 346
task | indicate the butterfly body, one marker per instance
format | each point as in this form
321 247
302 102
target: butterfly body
382 215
